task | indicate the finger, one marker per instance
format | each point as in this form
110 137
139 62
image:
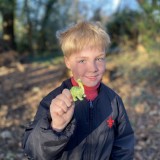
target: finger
60 110
56 110
68 94
63 100
60 104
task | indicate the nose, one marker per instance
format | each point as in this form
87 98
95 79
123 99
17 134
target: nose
93 67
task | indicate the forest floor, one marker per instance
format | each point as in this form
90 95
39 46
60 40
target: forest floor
135 77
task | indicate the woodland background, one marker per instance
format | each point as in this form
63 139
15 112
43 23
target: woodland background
31 63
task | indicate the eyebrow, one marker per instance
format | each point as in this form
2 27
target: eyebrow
102 54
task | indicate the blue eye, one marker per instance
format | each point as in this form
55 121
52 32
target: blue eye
81 61
100 59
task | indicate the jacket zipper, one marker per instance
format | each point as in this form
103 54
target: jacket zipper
89 138
90 104
90 128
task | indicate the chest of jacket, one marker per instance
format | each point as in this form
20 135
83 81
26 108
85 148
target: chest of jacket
92 131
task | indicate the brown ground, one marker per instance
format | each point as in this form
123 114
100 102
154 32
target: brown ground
23 86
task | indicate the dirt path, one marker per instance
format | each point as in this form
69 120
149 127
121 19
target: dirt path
22 87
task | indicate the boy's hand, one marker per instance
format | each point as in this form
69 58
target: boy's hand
61 109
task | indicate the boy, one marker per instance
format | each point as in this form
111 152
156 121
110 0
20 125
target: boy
95 128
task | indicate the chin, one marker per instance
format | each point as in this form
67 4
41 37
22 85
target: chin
91 83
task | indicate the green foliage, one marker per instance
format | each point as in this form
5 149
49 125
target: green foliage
138 67
121 28
130 28
150 26
36 23
7 5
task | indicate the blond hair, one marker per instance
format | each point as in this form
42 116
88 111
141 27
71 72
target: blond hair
83 35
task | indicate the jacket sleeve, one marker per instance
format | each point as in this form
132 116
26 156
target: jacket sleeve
40 141
123 146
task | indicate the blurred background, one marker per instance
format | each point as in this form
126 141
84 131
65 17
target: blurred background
31 63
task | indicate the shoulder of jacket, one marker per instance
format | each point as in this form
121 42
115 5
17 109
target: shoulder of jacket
116 101
48 98
113 95
110 92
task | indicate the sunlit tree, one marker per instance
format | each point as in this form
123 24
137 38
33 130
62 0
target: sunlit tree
7 10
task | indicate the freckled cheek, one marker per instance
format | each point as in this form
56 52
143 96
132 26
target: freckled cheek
102 68
78 70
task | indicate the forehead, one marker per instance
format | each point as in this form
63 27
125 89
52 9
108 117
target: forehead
89 52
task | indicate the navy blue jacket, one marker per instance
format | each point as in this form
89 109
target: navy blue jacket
99 130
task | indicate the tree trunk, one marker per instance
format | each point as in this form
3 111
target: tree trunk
29 26
8 28
48 11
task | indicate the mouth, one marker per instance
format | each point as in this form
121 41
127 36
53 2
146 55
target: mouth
92 78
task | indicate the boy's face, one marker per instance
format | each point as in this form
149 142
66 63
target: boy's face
88 65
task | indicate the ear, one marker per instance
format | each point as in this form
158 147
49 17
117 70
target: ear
67 62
